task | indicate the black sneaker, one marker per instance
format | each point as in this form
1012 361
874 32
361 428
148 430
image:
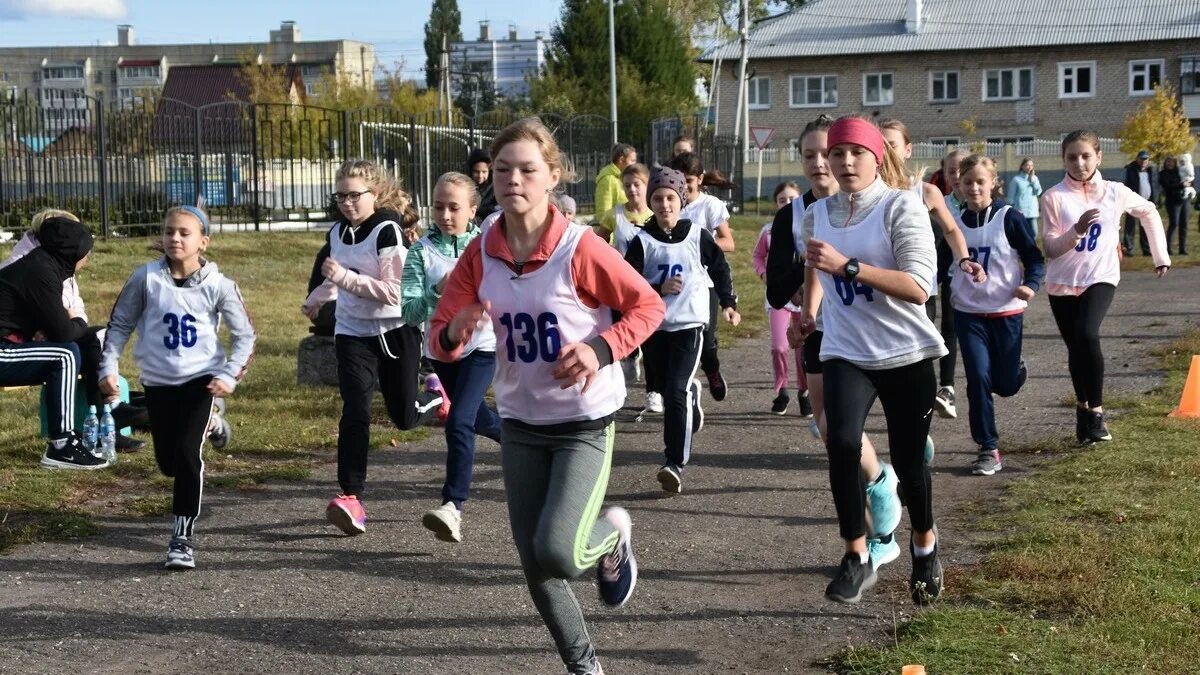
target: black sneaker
716 386
1097 430
616 574
670 477
1082 419
806 409
128 444
944 402
1022 376
72 455
925 584
853 577
780 405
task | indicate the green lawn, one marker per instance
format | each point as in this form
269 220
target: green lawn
280 428
1095 569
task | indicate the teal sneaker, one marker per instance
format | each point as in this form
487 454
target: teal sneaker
884 502
929 450
883 550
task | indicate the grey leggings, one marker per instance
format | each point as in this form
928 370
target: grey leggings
555 484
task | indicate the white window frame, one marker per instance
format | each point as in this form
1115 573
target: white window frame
756 86
824 78
1016 84
1149 90
944 76
889 98
944 140
1069 70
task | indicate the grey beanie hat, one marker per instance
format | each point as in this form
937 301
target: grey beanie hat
665 177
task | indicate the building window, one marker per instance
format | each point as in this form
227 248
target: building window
877 89
1189 75
1008 84
1007 140
1144 76
140 72
63 73
760 93
1077 80
944 140
814 91
943 86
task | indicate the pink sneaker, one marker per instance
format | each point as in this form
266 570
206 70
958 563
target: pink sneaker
433 384
347 513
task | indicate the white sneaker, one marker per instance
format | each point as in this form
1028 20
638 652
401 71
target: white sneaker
654 402
445 522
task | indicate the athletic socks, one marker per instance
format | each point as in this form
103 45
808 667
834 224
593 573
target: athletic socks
864 557
922 551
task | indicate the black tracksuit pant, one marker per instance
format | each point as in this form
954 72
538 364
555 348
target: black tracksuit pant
179 416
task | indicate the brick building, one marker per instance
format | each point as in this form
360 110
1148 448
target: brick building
1020 69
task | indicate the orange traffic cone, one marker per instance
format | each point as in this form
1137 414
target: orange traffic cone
1189 403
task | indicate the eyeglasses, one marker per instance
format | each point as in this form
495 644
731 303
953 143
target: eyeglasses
352 197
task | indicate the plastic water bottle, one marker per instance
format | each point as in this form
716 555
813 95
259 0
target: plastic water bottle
91 429
108 435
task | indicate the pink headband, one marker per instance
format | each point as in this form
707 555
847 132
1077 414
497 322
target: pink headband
859 132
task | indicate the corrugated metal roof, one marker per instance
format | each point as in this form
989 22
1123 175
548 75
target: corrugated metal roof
833 27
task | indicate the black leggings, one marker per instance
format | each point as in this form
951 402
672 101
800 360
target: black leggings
179 417
947 363
1079 318
906 394
710 361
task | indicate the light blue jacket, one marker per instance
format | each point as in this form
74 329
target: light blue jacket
1023 193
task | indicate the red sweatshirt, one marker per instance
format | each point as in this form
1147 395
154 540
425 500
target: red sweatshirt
602 278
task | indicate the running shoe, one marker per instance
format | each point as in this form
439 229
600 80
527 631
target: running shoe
670 477
806 409
445 522
71 454
1097 430
929 450
616 575
433 384
815 429
883 550
697 409
853 577
1082 420
716 385
944 402
347 513
925 584
654 402
181 555
219 431
779 406
987 463
883 500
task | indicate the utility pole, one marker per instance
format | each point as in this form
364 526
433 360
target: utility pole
444 80
741 123
612 70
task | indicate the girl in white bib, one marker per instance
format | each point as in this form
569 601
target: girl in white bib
1081 216
989 316
548 289
873 246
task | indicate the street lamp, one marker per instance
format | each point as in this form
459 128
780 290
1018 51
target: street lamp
612 70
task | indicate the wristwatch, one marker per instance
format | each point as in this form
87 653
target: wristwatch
851 269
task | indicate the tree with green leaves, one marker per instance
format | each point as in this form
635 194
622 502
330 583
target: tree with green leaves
445 21
656 68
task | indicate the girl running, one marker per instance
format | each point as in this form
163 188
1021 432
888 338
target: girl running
548 290
988 316
177 304
680 260
426 271
1081 217
780 319
951 249
705 210
876 264
785 270
363 273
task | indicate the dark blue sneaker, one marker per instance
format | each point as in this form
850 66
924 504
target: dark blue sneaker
616 575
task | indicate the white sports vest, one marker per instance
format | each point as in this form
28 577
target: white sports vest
689 307
863 325
1094 259
624 232
988 246
177 334
354 311
766 232
437 266
534 315
703 213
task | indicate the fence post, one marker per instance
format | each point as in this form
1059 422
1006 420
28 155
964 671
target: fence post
102 152
345 149
256 184
197 163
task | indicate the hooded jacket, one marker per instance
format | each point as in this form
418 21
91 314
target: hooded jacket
418 300
610 192
31 288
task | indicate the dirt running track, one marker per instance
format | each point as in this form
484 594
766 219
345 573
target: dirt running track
732 570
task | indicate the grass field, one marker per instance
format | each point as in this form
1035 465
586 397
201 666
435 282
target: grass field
280 428
1095 567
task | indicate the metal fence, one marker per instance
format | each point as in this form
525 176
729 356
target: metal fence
121 165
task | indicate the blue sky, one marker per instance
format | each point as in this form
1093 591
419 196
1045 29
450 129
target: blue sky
394 26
